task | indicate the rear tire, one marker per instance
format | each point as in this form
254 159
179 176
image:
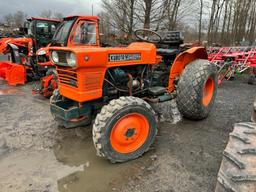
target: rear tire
197 89
124 129
237 171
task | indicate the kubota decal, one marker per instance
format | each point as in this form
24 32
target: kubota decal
124 57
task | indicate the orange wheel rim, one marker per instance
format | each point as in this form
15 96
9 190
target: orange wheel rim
208 91
129 133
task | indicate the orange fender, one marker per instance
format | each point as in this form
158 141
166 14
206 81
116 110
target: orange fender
182 60
13 73
22 41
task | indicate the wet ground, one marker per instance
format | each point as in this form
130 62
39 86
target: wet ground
36 155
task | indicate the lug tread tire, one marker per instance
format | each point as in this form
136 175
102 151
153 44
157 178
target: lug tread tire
101 123
237 172
190 86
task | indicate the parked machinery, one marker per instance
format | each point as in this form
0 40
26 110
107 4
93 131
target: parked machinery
22 64
49 82
232 61
114 87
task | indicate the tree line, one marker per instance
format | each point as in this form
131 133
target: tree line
17 19
226 22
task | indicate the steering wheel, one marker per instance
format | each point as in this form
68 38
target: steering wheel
148 35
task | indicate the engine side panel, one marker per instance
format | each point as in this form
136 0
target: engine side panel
85 82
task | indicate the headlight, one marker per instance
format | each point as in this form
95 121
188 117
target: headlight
55 57
71 59
41 52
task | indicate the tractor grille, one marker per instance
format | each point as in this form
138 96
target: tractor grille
67 76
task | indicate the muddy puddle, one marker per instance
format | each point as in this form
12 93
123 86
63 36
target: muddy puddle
7 90
99 175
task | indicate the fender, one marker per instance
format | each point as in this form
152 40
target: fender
23 41
15 56
182 60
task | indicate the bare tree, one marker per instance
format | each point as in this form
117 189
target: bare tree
220 21
19 18
121 13
200 20
58 15
9 20
46 14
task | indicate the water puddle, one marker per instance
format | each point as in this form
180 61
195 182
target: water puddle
99 175
8 91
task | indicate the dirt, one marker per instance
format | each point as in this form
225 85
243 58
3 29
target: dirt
36 155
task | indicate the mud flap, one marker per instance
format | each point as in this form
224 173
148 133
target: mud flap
13 73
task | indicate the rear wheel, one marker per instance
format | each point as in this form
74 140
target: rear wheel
197 89
237 171
124 129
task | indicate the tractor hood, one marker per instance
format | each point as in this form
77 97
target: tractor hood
90 56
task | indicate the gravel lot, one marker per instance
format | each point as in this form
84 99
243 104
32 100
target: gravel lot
36 155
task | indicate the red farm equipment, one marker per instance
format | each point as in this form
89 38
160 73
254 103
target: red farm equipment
22 63
232 61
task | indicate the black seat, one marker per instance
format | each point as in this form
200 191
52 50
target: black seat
163 51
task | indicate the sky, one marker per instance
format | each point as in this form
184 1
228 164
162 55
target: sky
35 7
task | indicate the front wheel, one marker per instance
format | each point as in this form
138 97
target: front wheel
197 89
124 129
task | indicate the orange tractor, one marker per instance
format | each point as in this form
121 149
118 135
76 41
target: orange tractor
50 81
22 65
114 88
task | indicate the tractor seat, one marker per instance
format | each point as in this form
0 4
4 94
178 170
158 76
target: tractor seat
162 51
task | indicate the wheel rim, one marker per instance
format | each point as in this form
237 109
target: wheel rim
208 91
129 133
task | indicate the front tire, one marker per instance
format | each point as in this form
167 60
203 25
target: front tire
124 129
197 89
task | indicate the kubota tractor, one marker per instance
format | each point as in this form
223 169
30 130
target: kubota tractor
50 81
22 66
113 87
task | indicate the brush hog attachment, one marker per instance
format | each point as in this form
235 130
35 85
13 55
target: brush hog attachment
13 73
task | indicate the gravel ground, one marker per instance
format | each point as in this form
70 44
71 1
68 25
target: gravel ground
36 155
188 154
